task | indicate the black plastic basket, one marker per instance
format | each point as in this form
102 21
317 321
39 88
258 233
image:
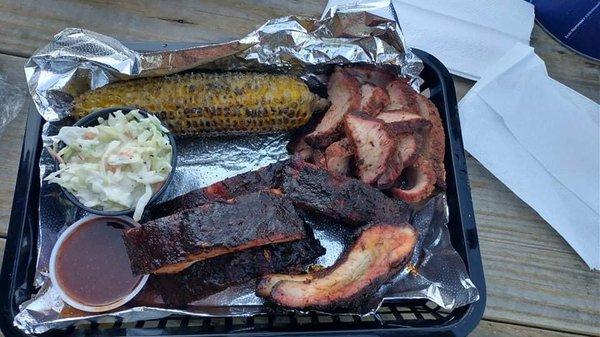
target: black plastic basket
406 318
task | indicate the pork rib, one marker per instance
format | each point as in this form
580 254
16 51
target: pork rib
339 197
171 244
210 276
344 94
379 252
373 143
264 178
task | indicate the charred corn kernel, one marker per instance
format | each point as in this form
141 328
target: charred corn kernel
205 104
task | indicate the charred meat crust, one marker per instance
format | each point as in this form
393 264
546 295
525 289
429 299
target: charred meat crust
344 94
264 178
170 244
399 122
210 276
345 199
373 144
379 252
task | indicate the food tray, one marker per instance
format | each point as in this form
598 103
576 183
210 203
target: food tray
409 318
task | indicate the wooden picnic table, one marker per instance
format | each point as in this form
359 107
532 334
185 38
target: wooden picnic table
536 283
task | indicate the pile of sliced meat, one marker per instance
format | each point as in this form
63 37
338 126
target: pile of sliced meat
378 139
381 131
248 227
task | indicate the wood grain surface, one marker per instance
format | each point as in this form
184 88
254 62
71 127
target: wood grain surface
27 25
496 329
536 284
533 277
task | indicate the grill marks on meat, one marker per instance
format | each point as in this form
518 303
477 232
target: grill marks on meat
208 277
338 156
171 244
264 178
372 99
379 252
339 197
344 94
374 146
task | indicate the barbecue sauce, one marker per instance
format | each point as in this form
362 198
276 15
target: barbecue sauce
92 265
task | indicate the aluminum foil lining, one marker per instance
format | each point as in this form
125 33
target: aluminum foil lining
77 60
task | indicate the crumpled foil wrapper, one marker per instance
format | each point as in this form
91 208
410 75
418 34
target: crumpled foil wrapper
78 60
12 99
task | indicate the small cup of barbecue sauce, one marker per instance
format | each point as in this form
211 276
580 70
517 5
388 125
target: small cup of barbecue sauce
89 265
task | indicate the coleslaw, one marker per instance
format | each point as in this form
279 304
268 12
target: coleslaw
116 165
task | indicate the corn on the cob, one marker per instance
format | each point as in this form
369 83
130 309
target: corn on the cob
209 104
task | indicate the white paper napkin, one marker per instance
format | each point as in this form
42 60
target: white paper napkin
541 139
467 36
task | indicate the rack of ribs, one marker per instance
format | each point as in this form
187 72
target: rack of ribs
264 178
210 276
379 252
339 197
172 243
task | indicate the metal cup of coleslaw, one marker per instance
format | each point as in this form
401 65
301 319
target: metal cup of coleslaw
92 120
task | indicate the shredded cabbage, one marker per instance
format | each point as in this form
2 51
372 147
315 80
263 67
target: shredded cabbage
115 165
